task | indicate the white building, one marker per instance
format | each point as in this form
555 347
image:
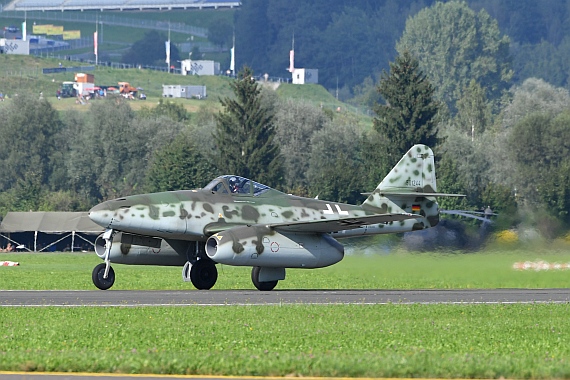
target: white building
190 67
180 91
304 76
14 46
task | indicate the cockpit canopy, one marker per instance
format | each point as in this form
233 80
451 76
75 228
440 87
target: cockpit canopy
233 184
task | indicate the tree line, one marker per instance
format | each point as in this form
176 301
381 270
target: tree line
504 147
351 43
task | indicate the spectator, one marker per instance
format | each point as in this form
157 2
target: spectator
9 248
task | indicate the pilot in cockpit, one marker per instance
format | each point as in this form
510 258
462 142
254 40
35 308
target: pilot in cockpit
234 184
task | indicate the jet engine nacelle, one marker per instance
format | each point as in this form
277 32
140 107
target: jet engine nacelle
265 247
124 252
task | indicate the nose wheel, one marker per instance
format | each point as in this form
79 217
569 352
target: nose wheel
98 277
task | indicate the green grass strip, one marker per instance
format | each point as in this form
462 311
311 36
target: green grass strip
398 270
447 341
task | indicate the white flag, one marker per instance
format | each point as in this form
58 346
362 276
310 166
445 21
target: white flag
233 60
24 31
291 61
167 44
95 43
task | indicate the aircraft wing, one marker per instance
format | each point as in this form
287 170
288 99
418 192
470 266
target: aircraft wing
325 225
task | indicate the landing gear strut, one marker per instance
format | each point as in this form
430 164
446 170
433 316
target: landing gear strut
103 275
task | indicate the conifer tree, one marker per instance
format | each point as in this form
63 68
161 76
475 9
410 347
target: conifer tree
409 115
245 134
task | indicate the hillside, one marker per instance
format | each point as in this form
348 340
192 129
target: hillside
24 74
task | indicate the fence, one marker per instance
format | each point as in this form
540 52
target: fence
106 19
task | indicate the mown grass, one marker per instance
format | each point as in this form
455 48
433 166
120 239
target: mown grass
396 340
398 270
473 341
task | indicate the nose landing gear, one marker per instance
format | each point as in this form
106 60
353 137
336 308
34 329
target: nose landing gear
103 275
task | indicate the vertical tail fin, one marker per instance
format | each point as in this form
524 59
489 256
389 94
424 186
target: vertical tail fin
409 187
415 172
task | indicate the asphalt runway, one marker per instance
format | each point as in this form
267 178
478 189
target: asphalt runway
136 298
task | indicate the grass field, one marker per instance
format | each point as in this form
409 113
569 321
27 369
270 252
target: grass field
466 341
399 270
473 341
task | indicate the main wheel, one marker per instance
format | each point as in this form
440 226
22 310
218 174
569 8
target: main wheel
99 281
264 286
204 274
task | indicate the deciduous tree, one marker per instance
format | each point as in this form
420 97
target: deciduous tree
111 151
455 45
539 147
296 123
474 113
29 129
179 166
175 111
335 167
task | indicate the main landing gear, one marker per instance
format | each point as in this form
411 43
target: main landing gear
199 269
261 285
203 273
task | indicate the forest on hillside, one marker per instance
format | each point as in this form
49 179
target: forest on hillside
350 41
449 82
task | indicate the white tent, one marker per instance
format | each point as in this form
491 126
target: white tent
74 224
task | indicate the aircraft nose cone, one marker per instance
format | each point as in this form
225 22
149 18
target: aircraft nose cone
101 214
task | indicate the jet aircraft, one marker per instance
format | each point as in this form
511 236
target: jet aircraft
237 221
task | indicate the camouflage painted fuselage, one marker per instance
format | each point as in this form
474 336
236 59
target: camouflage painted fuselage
231 201
197 214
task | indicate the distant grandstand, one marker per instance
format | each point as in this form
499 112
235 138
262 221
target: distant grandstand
115 5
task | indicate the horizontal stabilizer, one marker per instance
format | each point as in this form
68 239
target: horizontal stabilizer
418 194
470 214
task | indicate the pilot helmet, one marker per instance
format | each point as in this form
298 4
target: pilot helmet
233 181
